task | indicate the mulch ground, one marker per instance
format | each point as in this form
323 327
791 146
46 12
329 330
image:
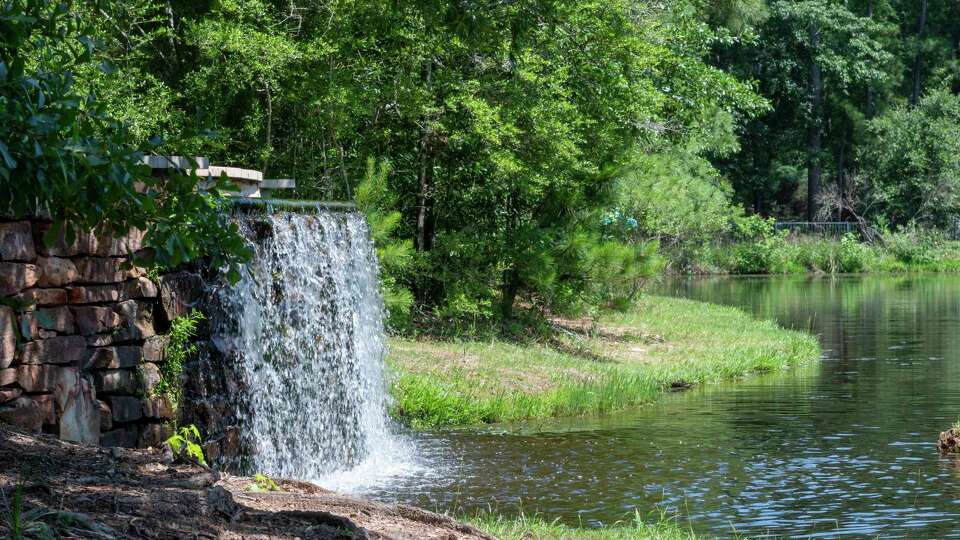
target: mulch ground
73 491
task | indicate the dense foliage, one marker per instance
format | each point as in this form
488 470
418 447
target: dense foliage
506 128
864 95
531 153
64 156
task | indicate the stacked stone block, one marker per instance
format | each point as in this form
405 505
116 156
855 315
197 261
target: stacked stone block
81 336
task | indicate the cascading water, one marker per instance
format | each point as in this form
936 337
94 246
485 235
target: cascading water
305 329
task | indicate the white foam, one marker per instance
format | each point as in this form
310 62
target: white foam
310 342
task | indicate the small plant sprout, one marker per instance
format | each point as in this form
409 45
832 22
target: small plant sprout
185 444
19 523
263 483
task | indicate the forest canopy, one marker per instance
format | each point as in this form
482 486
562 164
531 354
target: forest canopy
534 152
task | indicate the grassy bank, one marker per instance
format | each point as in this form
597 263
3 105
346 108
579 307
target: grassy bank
532 528
624 361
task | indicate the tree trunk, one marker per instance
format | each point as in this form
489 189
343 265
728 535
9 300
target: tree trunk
511 285
841 179
918 64
869 88
269 127
424 240
425 207
174 65
814 142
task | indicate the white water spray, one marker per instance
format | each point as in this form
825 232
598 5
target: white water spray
308 338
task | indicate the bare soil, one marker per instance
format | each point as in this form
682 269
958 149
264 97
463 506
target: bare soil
74 491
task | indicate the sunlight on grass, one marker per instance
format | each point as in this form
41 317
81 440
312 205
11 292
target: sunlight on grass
624 361
527 527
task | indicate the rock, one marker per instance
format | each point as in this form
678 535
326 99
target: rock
95 294
45 402
116 357
85 243
153 434
137 320
8 376
116 381
108 246
104 270
8 338
150 375
56 272
155 349
8 350
949 441
6 320
230 443
95 319
211 449
200 380
78 407
29 326
180 293
59 319
44 297
9 394
106 416
157 407
57 350
16 241
139 288
100 340
15 277
37 378
23 412
124 438
126 409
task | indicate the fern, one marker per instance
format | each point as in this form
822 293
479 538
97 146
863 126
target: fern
179 349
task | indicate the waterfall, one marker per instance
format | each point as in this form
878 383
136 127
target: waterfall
305 329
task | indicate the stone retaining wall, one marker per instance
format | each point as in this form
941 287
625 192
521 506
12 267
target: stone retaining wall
82 336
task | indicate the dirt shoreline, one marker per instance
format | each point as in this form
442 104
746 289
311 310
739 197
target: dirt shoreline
88 492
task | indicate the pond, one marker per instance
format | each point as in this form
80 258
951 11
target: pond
841 447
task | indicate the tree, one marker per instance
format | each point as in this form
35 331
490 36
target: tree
63 156
912 163
811 56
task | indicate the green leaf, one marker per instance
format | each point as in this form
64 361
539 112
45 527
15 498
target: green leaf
7 158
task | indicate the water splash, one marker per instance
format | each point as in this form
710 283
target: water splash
308 339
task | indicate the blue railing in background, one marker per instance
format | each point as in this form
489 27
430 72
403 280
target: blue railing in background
827 229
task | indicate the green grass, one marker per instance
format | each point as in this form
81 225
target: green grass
627 360
534 528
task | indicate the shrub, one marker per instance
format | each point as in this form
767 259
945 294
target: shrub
762 250
852 255
914 246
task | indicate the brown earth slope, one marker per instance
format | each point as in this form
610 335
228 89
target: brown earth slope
75 491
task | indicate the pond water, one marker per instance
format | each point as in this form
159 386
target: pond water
839 448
